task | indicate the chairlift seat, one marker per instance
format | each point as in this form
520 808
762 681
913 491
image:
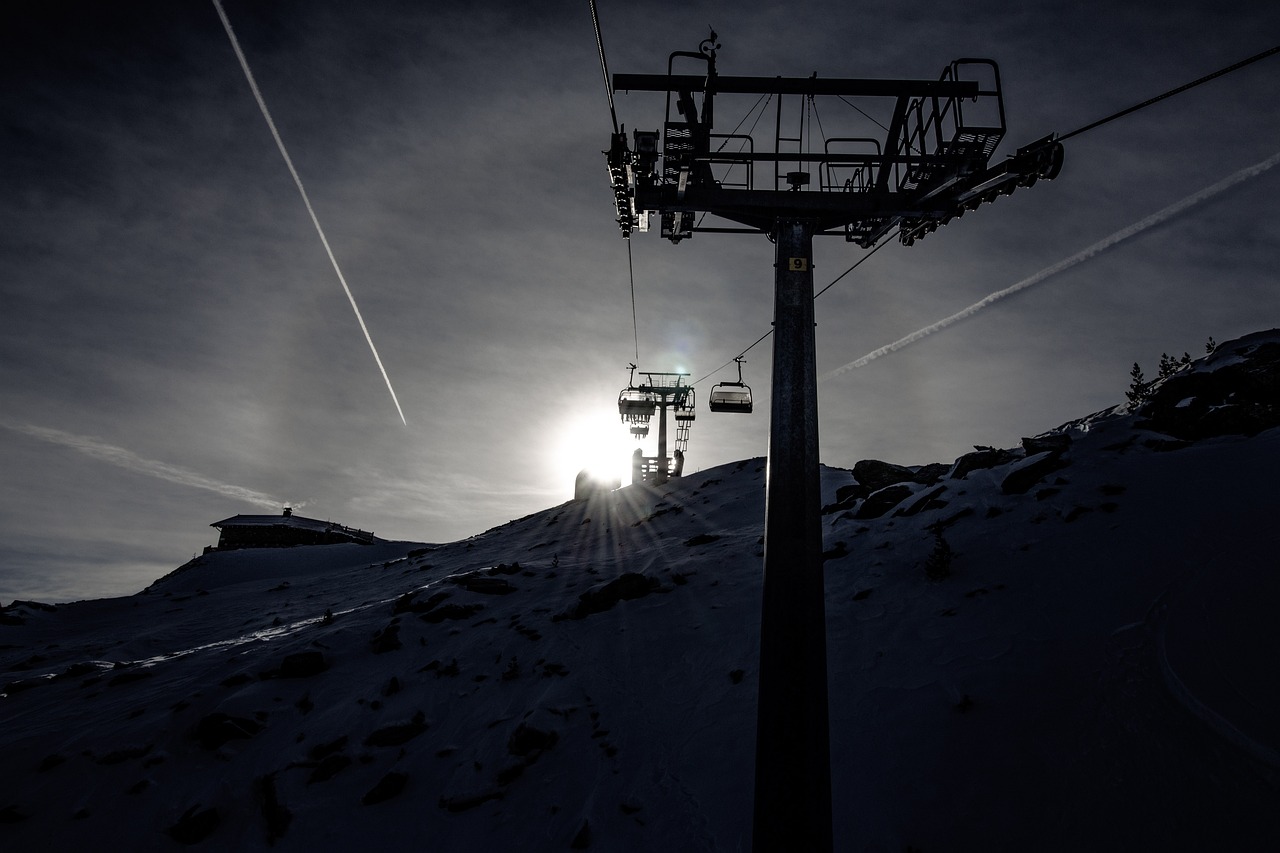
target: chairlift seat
730 397
634 403
687 410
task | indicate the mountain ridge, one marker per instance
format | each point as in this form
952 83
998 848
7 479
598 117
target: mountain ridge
1058 646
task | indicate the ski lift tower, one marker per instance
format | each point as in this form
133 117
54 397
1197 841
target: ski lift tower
930 166
638 403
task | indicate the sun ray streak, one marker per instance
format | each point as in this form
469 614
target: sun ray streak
1083 255
266 114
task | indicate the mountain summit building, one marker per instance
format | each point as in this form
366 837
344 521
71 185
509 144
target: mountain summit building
283 531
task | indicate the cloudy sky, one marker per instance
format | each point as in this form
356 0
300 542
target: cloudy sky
176 348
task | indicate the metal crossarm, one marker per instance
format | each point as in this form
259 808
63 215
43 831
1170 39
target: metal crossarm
932 165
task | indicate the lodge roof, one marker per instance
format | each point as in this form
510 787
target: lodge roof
294 522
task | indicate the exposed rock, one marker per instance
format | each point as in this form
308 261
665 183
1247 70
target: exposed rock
462 802
14 813
407 604
275 814
1054 442
929 474
324 750
329 766
20 684
1020 480
981 458
846 496
883 500
627 586
398 734
217 728
836 551
127 753
388 786
485 585
927 501
527 740
451 611
582 840
876 475
387 639
195 825
1239 398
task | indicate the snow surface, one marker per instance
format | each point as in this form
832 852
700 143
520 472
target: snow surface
1097 673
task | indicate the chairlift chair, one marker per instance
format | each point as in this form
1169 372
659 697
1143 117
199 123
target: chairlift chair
731 396
687 411
634 404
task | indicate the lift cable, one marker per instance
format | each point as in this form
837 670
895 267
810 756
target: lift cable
865 114
766 98
604 66
1076 132
732 360
635 327
613 115
856 264
1172 92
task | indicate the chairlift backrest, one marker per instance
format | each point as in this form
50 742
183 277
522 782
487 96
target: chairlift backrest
634 403
687 411
730 397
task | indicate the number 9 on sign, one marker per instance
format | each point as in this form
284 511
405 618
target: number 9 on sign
798 264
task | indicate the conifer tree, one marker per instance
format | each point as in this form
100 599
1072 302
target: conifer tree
1139 389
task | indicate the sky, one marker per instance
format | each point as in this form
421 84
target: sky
176 347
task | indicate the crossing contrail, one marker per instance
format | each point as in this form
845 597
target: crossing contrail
266 114
131 461
1079 257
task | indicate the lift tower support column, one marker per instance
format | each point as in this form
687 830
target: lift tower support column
933 166
793 763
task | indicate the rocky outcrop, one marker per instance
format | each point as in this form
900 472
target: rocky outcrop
981 458
1237 397
876 475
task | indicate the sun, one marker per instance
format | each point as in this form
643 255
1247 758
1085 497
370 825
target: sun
596 442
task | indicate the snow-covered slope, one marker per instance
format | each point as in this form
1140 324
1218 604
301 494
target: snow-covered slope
1065 646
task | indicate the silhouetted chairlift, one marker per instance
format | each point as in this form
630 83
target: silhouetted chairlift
634 403
636 407
731 396
686 411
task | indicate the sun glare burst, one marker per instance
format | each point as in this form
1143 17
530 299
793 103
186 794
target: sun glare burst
598 443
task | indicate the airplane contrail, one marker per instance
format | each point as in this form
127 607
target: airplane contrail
131 461
1079 257
266 114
